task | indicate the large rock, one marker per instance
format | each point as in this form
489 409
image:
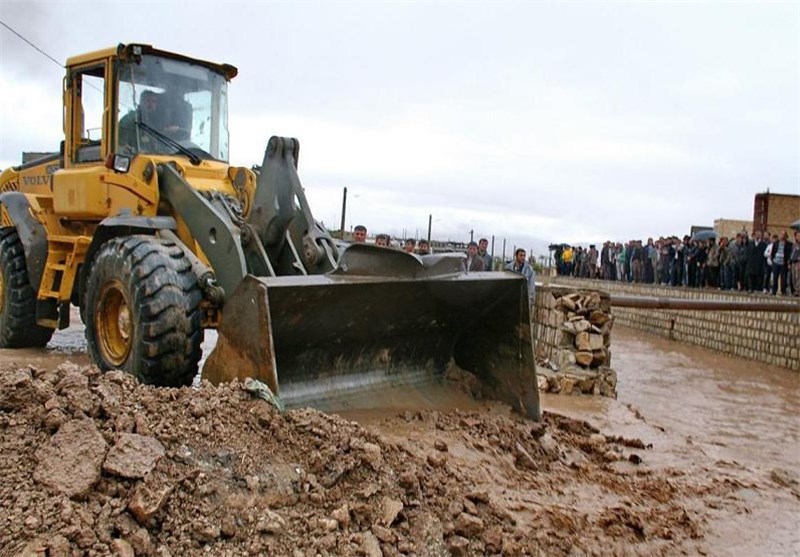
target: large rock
133 456
391 508
16 390
74 387
584 358
71 461
599 318
582 342
468 526
596 342
145 502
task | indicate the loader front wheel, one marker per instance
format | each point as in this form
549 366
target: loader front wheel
143 311
18 328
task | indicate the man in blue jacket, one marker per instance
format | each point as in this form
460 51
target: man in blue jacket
521 266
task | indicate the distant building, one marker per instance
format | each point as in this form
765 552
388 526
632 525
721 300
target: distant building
696 228
774 212
730 227
30 156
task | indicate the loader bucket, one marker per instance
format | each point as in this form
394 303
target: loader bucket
382 319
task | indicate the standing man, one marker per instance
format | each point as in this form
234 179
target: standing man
409 245
360 234
591 261
472 263
567 256
521 266
483 243
755 263
795 262
779 253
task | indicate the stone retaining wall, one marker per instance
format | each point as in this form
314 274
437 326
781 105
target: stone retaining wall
769 337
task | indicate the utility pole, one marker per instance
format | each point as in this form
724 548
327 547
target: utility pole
504 251
492 247
430 221
344 212
471 233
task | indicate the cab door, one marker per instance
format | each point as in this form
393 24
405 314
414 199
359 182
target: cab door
80 190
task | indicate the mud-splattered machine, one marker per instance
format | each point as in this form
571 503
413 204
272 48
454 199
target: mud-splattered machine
140 222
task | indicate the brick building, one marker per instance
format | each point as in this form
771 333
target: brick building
730 227
774 212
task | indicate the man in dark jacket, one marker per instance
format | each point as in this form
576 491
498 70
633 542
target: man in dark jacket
779 253
755 262
741 261
472 263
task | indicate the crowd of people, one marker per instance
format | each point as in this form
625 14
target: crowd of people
476 258
761 263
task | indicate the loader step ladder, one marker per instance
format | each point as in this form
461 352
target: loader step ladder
64 254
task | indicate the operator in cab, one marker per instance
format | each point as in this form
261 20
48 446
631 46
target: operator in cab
155 113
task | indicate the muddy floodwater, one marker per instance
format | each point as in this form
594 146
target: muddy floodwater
726 420
714 414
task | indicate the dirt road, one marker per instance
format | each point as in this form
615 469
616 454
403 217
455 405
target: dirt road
699 455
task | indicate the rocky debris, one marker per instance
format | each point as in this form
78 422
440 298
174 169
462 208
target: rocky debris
213 471
133 456
70 462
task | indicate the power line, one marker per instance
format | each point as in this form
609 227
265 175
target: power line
4 24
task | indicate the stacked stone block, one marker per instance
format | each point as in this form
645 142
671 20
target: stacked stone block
573 340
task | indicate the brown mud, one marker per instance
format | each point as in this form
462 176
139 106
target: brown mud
697 456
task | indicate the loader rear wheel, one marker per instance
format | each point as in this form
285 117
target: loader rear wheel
18 328
143 311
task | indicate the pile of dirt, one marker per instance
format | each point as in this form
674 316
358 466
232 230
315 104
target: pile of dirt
96 464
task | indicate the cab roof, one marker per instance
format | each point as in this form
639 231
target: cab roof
124 51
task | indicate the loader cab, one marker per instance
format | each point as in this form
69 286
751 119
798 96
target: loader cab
166 105
135 99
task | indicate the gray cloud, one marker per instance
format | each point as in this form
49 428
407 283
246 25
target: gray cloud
542 122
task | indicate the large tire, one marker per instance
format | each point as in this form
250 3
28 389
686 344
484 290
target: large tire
18 328
143 311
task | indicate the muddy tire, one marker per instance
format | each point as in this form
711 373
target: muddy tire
18 328
143 311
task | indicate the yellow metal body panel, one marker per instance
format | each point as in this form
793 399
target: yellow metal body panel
90 57
35 179
121 50
81 193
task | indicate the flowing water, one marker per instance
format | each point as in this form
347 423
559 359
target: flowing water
716 414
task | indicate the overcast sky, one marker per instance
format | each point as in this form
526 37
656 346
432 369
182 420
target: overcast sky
534 122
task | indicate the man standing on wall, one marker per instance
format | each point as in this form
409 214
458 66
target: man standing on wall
472 263
521 266
780 252
483 243
755 262
795 262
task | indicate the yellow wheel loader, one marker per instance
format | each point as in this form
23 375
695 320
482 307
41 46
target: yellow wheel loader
141 223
